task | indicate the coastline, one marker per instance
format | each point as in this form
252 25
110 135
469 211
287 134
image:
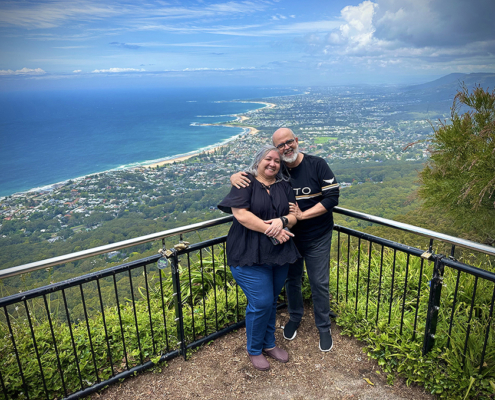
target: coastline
210 150
183 157
169 160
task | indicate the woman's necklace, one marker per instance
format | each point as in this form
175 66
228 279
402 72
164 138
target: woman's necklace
266 186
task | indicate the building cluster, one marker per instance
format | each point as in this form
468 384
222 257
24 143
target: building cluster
343 126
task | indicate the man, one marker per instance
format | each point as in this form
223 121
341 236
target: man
317 192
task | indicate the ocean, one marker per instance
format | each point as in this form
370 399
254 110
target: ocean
48 137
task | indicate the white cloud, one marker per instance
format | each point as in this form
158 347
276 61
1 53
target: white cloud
23 71
76 71
406 33
55 13
60 12
357 31
301 28
117 70
218 69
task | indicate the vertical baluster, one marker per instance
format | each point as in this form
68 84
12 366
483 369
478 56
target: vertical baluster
379 286
392 287
237 302
487 333
89 333
469 319
357 278
69 323
225 279
120 321
24 385
435 295
135 317
451 323
4 389
404 296
417 300
149 308
191 303
338 264
203 290
102 308
369 275
214 285
55 345
348 266
163 311
179 316
36 348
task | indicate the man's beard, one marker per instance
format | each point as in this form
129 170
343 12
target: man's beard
292 158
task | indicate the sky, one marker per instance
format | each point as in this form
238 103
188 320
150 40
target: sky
85 43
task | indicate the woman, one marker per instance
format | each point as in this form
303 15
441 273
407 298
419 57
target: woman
259 250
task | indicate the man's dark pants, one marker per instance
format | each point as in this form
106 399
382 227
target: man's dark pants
316 254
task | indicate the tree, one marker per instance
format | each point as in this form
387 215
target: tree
459 177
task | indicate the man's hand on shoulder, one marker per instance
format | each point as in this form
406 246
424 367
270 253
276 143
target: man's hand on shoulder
240 179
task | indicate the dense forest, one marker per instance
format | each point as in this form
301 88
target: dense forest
382 190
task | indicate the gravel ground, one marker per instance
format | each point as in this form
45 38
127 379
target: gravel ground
222 370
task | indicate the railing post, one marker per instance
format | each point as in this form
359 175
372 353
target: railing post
174 265
433 304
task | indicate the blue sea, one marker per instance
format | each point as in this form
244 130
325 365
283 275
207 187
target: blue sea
50 137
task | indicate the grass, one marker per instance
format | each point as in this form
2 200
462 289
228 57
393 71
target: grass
385 305
323 139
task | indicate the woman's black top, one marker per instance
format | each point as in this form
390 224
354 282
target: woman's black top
248 247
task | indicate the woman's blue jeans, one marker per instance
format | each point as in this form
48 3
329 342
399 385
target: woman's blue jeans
261 284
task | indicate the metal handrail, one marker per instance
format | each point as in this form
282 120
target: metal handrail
50 262
417 230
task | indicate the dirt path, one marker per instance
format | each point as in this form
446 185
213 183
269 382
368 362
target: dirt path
221 370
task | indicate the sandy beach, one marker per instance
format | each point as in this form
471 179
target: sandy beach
240 118
252 131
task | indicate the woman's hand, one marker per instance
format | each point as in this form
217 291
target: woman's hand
276 225
295 211
284 236
239 180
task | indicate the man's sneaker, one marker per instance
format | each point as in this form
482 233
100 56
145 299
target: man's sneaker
290 330
326 342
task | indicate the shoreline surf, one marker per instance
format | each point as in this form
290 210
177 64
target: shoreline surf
240 117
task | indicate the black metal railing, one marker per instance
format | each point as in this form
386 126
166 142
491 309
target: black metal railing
423 287
75 337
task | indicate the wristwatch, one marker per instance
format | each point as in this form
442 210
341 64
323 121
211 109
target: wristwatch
285 221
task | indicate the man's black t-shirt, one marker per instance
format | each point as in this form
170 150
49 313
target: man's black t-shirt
313 182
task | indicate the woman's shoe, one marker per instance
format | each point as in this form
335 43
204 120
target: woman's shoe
278 354
259 362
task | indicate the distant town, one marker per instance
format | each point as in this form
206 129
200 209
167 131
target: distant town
342 126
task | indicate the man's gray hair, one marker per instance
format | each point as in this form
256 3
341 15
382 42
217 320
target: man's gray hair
282 174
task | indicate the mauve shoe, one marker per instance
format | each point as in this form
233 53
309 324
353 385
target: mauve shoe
259 362
278 354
